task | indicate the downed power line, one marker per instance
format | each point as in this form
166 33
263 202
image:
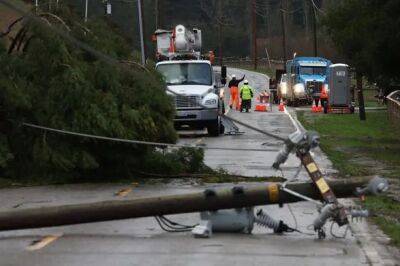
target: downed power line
139 142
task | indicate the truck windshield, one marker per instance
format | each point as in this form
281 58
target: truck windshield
186 73
308 70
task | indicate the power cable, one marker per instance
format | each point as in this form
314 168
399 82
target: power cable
2 34
294 216
166 229
172 227
336 236
292 11
317 8
139 142
175 223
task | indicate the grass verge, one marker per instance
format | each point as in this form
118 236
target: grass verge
359 148
386 214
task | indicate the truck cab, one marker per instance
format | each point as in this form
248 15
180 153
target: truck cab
306 77
192 85
190 79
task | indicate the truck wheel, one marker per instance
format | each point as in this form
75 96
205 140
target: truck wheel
214 128
222 104
221 128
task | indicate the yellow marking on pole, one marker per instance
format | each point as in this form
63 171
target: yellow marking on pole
273 193
36 245
322 185
312 167
197 142
123 192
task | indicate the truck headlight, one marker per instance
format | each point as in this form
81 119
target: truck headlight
299 88
210 102
326 88
283 88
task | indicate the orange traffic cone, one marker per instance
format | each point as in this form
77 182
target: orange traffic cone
314 107
281 106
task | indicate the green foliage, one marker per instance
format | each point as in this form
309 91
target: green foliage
365 32
352 144
386 214
55 84
181 161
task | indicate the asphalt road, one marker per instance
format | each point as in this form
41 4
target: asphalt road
142 242
250 163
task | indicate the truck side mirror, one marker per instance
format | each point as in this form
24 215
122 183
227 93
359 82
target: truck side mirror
223 75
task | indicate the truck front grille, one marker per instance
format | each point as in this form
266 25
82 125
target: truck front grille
187 101
314 87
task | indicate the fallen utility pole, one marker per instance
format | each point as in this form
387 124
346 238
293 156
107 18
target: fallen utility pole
235 197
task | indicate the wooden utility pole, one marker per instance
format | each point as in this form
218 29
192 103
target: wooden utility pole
158 14
208 200
283 22
314 15
306 19
360 95
254 30
220 32
141 31
86 10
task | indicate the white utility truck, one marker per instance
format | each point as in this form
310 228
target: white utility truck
190 80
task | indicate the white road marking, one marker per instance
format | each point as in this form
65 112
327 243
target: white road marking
295 124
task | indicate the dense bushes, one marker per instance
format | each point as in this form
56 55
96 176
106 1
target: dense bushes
56 84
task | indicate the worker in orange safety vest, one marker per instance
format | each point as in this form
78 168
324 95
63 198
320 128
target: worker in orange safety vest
324 96
234 89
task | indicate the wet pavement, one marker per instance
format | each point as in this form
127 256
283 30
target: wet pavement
250 163
142 242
